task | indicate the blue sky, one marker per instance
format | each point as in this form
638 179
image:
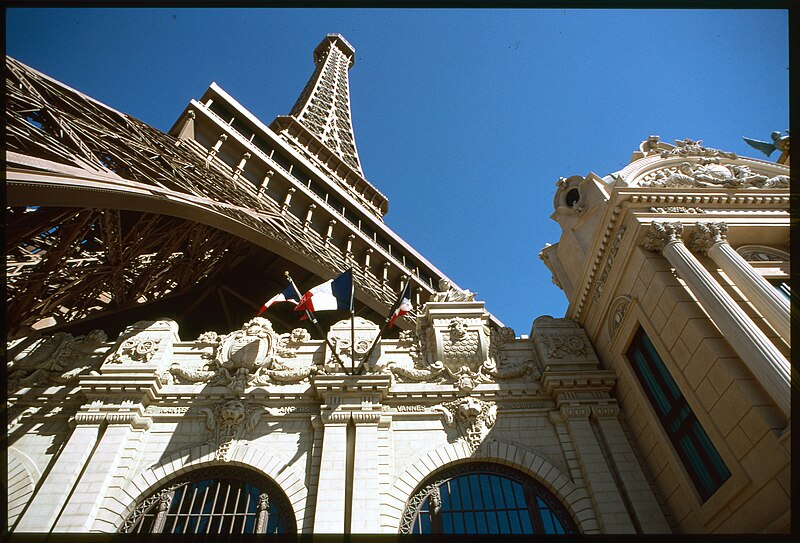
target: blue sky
464 119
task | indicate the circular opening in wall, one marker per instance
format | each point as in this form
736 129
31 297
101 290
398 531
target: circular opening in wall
572 197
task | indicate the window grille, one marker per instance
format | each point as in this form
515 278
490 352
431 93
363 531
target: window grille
698 455
214 500
485 498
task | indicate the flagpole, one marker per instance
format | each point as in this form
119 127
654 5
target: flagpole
313 318
352 324
386 322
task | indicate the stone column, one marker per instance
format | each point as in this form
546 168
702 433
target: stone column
366 514
709 238
763 359
50 499
608 502
329 513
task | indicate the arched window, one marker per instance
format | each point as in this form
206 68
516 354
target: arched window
485 498
214 500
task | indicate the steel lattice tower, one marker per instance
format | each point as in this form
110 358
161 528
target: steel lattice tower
110 220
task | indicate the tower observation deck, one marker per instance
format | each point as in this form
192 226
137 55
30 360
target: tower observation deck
110 220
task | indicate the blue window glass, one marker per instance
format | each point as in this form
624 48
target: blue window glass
486 498
700 458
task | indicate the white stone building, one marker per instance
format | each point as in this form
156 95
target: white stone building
659 404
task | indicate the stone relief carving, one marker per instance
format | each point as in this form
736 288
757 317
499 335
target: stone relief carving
688 147
561 346
677 209
56 360
473 418
365 332
761 253
612 254
228 421
461 365
710 173
250 356
135 349
448 293
617 312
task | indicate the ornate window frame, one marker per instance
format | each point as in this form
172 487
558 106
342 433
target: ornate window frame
429 488
161 498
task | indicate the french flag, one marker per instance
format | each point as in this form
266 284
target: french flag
288 295
403 307
333 294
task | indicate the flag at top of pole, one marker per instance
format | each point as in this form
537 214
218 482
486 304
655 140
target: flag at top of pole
334 294
403 307
287 295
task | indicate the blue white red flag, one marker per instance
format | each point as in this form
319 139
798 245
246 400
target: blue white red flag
333 294
403 307
288 295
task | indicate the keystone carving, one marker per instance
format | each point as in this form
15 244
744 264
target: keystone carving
706 235
228 421
56 360
660 234
473 418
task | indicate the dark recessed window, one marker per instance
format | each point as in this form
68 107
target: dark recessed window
485 498
214 500
782 285
699 456
572 197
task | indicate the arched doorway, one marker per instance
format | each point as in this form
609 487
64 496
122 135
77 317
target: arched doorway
214 500
484 498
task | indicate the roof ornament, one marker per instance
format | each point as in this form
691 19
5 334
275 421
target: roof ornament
779 142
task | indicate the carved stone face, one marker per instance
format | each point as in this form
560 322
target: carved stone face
232 411
458 328
469 409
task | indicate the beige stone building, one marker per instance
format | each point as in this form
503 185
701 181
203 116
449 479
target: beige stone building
658 404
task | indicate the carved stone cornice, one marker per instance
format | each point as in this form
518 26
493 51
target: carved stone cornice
660 234
706 235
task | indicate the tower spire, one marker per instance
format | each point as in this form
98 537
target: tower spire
324 105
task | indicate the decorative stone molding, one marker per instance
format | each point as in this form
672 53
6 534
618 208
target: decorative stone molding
611 255
708 172
135 349
473 418
339 337
448 293
254 355
605 411
56 360
660 234
688 147
561 347
616 313
568 412
228 421
761 253
677 209
707 234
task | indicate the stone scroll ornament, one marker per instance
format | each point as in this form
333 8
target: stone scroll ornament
473 418
461 363
228 422
56 360
254 355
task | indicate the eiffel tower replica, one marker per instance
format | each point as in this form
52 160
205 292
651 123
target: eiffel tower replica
110 221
